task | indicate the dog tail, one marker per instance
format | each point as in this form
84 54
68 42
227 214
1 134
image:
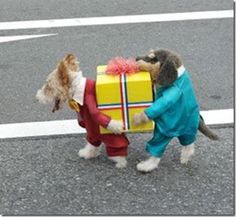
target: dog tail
206 131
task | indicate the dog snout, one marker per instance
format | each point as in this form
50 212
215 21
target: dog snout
37 96
42 98
138 58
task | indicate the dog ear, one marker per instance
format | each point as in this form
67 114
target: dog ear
70 57
71 61
168 72
63 74
56 106
154 71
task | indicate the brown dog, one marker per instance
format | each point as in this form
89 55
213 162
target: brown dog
66 83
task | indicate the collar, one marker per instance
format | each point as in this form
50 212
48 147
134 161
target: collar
78 88
181 70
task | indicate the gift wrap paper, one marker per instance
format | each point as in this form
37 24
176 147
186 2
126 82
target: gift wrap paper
121 96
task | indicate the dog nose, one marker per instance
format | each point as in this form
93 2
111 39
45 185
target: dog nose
138 58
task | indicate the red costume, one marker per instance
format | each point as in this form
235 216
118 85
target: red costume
90 118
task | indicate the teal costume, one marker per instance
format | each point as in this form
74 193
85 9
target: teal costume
175 112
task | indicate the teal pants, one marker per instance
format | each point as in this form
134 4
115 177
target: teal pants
157 145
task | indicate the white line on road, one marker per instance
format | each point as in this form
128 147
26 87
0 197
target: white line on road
22 37
216 117
63 127
46 128
145 18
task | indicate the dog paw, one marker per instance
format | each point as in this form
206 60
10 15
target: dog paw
184 160
89 152
148 165
121 162
186 154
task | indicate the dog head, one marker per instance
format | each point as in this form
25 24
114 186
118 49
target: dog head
58 82
162 65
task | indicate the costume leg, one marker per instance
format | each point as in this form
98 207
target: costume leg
117 148
188 147
156 148
157 145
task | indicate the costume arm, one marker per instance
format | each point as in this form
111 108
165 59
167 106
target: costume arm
169 97
97 116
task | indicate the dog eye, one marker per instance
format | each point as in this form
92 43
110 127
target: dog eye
155 60
147 59
48 88
151 60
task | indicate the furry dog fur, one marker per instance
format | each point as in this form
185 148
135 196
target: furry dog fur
58 83
163 66
66 82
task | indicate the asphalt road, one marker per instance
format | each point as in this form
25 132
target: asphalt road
44 176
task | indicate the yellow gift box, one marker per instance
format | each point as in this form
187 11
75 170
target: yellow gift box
121 96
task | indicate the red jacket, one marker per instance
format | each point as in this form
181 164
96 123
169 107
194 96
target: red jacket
90 118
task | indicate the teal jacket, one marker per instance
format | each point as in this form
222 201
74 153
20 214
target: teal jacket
175 110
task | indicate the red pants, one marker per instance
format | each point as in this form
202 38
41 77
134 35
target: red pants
116 145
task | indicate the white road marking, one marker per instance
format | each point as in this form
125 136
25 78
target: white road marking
46 128
63 127
4 39
216 117
92 21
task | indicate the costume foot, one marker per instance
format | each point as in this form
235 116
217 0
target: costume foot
121 162
186 153
89 151
148 165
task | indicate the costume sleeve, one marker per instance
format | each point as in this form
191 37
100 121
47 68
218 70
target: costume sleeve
97 116
169 97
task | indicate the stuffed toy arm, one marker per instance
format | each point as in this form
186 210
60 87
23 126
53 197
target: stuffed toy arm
160 106
102 119
140 118
98 117
169 97
115 126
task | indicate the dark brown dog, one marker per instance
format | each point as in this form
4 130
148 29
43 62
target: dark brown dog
162 65
167 71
